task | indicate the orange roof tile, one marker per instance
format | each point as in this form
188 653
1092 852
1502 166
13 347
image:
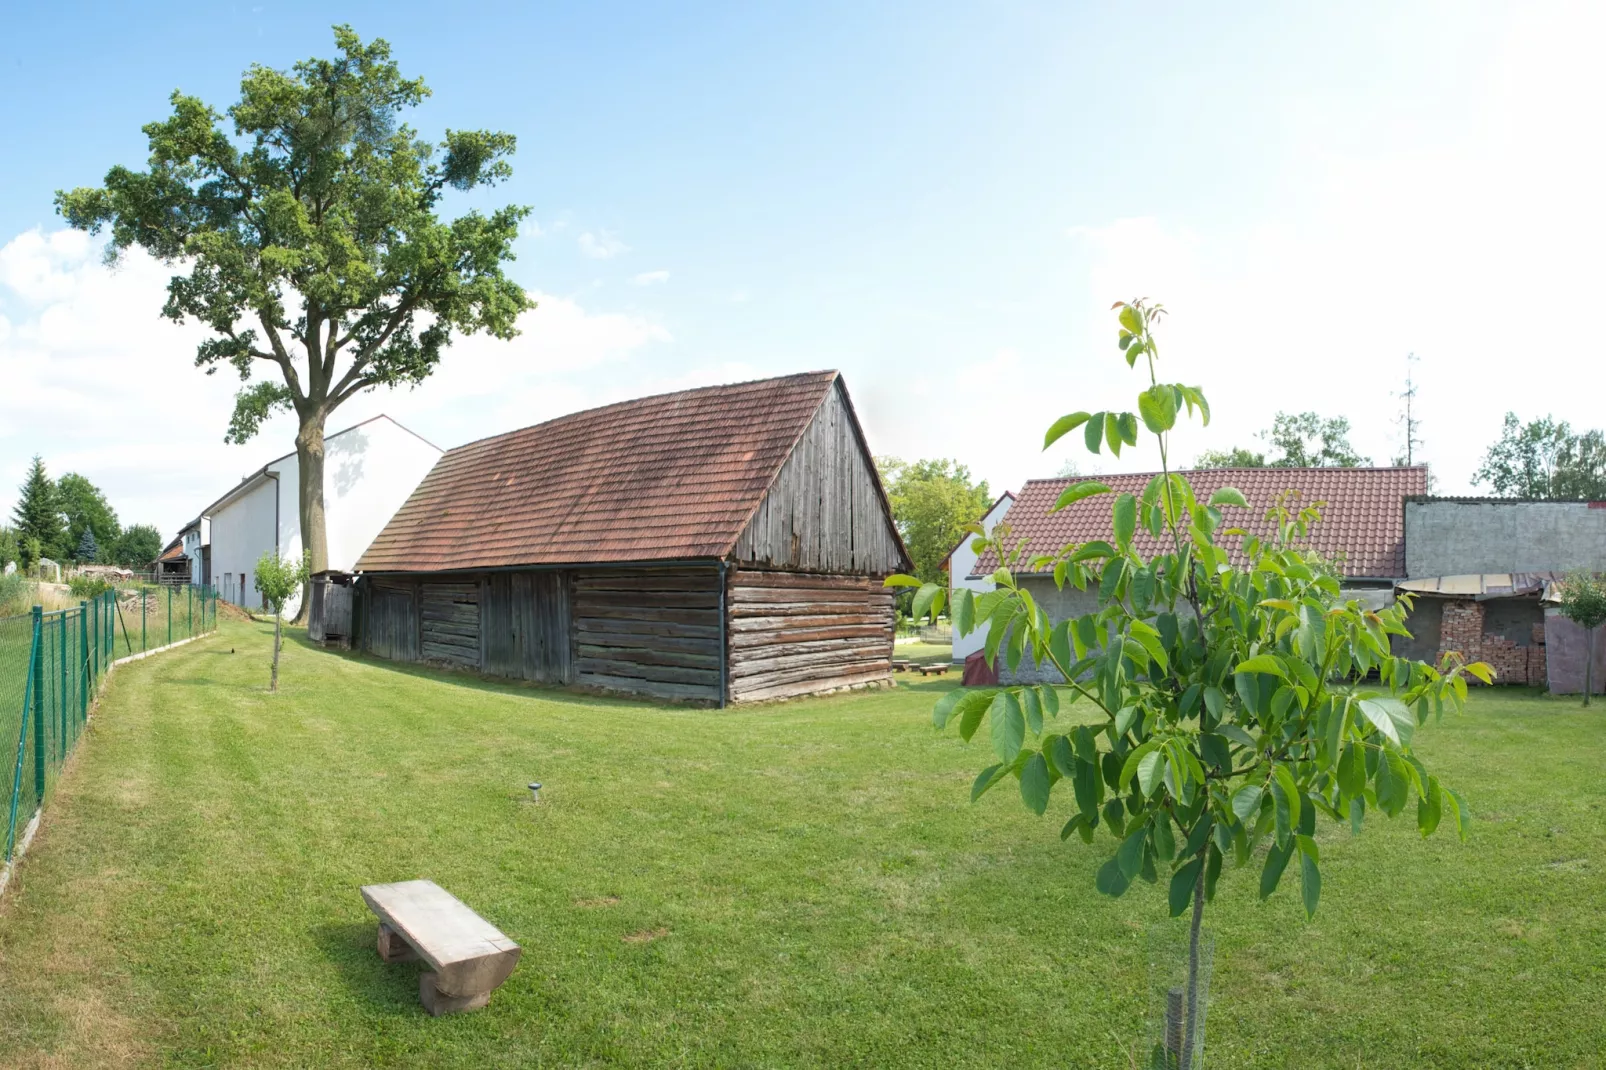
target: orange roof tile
661 478
1362 525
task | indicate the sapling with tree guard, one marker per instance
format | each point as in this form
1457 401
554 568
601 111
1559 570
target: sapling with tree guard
1231 680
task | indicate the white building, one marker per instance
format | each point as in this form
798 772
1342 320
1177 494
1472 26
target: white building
962 562
369 471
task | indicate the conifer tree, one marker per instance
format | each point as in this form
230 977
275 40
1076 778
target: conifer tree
37 516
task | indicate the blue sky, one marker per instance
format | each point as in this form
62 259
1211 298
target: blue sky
941 200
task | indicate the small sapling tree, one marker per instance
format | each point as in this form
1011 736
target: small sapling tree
1583 601
1236 694
278 579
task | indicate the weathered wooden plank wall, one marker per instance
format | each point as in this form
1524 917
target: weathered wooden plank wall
823 513
390 619
449 622
525 626
649 631
794 633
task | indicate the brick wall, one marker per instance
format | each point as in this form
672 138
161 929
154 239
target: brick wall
1462 630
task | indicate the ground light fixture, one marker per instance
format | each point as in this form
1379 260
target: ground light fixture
535 791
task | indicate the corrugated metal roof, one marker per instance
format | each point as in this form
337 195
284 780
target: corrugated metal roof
669 477
1484 585
1362 525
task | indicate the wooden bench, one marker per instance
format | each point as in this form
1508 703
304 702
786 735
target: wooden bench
938 668
902 665
467 955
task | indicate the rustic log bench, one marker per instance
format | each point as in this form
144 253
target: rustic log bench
939 668
467 955
902 665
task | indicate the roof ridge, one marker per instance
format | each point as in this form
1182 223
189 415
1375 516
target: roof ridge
828 374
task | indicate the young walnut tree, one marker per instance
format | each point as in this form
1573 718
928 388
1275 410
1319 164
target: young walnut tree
278 579
1229 693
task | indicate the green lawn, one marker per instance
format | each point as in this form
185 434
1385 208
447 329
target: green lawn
797 885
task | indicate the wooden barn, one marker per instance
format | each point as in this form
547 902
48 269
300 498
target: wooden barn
717 545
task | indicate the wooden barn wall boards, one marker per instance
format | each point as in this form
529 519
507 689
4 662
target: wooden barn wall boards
825 511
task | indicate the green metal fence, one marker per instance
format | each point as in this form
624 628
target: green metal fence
51 667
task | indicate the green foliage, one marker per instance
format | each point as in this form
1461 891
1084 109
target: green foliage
312 239
278 578
40 531
1298 440
9 548
137 547
932 502
1544 459
86 510
1237 695
88 586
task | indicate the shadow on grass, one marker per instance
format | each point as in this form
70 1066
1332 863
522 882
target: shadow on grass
377 986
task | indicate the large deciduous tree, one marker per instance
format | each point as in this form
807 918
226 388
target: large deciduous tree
932 501
312 240
138 546
86 511
1231 693
1545 459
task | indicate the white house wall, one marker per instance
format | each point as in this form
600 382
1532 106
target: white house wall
961 563
242 531
369 471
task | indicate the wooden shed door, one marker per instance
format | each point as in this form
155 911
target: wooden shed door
526 623
449 623
390 629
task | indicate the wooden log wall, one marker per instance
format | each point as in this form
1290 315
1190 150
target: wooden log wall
794 633
649 631
449 622
525 626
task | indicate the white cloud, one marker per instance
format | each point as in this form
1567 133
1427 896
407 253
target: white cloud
650 278
96 381
603 245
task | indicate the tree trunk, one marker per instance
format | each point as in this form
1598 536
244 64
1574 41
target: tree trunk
314 531
1589 664
1186 1062
278 623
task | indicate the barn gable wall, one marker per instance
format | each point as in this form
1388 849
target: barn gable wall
824 512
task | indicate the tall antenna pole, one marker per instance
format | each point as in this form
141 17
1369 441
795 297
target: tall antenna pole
1408 417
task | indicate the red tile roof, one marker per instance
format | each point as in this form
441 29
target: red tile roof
1363 518
661 478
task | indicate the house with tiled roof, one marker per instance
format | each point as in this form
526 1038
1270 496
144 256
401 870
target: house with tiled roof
717 545
1362 526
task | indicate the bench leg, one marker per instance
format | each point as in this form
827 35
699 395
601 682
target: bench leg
392 948
437 1003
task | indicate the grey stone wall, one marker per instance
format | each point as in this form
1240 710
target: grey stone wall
1452 538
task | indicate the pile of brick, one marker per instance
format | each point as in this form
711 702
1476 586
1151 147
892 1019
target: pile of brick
1462 631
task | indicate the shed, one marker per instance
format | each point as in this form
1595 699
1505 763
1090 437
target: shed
1362 528
1493 617
718 545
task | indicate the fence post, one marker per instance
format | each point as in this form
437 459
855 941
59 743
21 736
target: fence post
189 598
22 749
37 662
61 647
169 614
83 654
142 594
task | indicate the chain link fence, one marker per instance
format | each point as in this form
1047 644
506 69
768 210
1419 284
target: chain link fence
51 666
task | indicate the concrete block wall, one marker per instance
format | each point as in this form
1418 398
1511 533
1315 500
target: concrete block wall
1451 537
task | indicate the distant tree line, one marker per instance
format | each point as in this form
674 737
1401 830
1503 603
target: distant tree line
931 503
1545 459
69 520
1295 440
